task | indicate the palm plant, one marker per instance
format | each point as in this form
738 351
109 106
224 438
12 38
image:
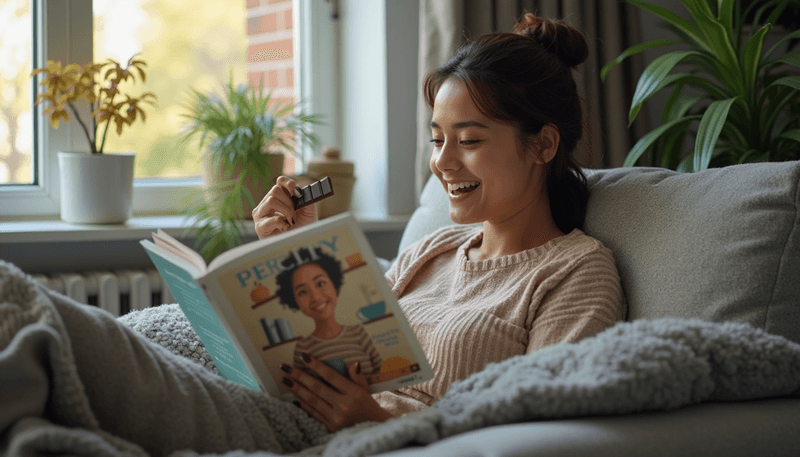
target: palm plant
743 101
238 128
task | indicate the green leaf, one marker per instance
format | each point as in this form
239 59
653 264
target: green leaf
708 132
632 51
651 80
791 58
689 29
752 56
793 134
791 36
720 40
707 85
790 81
686 164
650 138
672 147
681 105
725 13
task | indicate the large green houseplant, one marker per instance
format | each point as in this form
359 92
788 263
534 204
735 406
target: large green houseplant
739 102
240 129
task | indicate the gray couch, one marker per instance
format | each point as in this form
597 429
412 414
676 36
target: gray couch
719 245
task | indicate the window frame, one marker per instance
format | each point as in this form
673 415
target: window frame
68 37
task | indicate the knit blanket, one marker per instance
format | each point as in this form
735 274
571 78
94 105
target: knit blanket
77 381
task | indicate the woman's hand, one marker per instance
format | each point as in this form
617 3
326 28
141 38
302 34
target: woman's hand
346 403
276 214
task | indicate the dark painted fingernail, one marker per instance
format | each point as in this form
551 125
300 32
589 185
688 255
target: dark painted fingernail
288 382
297 403
306 358
358 367
286 368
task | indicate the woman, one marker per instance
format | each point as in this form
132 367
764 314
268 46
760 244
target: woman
313 289
506 119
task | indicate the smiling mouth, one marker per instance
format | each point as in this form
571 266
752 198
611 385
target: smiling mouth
456 190
319 306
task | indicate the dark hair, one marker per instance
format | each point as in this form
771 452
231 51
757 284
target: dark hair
328 263
525 78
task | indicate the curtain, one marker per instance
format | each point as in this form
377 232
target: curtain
611 28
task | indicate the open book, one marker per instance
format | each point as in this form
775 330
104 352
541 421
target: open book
316 289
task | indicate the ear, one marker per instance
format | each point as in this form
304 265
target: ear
548 141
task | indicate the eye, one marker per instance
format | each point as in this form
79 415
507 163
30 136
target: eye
437 142
321 283
301 292
469 142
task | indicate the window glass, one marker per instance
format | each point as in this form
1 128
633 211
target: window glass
16 93
191 44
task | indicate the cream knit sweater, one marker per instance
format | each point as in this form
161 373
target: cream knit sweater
467 314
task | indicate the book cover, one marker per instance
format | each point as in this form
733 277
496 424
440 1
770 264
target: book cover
201 316
317 289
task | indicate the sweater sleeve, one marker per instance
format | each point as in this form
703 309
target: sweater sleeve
586 301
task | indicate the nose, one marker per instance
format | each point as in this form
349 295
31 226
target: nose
317 295
446 157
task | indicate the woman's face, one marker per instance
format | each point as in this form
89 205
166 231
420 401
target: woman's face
314 292
477 161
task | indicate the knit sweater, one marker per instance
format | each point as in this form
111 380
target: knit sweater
468 313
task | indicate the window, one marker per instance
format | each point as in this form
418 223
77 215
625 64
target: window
186 45
304 28
16 89
183 43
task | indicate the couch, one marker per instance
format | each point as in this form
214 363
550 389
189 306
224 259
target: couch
718 245
704 259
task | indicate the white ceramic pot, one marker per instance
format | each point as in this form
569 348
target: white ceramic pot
96 188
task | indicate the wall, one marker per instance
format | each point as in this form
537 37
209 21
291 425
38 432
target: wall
34 258
270 52
378 99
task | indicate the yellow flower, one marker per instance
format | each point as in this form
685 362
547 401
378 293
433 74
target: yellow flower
63 87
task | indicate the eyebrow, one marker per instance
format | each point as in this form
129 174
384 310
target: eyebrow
462 124
312 279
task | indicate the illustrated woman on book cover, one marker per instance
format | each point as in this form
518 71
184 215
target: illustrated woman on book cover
313 289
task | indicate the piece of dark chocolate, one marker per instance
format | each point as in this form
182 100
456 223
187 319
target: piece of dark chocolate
313 193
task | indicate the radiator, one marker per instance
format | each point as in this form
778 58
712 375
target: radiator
117 292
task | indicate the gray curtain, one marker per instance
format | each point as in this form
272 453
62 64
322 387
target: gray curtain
611 27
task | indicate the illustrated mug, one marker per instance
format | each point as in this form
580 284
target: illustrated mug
372 311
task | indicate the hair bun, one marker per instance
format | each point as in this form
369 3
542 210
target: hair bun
556 36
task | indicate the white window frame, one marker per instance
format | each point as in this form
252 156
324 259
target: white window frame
318 85
342 78
66 35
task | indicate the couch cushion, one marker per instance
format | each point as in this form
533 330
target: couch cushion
721 244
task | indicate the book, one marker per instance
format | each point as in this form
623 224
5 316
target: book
316 289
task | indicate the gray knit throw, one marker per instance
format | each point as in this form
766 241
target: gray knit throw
646 365
632 367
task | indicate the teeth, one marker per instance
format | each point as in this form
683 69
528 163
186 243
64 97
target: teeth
454 187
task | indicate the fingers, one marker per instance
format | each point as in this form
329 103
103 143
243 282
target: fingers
275 213
354 370
339 382
278 199
313 395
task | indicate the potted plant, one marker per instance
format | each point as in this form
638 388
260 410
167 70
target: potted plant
743 101
245 137
96 188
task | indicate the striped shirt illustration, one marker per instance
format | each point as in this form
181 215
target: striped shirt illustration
352 345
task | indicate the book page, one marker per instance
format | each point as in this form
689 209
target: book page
175 247
201 316
319 294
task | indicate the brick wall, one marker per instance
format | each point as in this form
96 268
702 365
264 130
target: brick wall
269 51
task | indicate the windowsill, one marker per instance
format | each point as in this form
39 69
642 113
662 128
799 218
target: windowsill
50 230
